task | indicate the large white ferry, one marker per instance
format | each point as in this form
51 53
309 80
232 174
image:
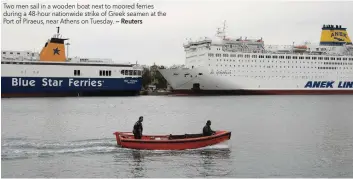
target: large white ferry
51 73
248 66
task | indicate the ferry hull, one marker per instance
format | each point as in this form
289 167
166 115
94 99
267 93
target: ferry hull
207 84
61 87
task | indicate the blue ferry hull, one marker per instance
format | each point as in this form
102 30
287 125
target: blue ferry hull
53 86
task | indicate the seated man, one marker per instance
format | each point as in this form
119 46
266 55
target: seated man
207 131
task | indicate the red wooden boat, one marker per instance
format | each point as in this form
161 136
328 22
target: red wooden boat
170 142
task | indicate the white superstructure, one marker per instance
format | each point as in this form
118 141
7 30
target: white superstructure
226 64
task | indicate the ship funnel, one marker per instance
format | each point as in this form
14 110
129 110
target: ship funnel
54 49
334 35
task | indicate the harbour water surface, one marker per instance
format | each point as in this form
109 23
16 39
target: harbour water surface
272 136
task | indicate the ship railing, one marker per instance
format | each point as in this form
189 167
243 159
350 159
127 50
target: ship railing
290 52
18 59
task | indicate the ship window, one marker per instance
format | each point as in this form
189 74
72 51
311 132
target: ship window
77 72
130 72
105 73
11 53
135 72
3 52
139 72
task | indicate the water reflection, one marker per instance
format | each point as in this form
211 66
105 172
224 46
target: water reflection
215 162
133 162
137 167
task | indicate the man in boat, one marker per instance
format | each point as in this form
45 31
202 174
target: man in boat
137 131
207 131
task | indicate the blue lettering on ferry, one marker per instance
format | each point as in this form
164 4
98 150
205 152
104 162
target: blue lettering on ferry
328 84
345 84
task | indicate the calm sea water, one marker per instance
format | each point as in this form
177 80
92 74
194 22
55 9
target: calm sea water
272 136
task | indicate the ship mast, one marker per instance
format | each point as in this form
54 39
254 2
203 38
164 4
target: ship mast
222 33
57 33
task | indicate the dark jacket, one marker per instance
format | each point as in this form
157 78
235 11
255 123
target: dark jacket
207 131
138 128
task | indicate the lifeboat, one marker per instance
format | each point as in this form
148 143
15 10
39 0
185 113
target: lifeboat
170 142
300 48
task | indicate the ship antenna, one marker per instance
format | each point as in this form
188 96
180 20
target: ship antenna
58 31
220 33
224 29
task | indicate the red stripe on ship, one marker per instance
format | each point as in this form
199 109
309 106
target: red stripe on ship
262 92
10 95
71 94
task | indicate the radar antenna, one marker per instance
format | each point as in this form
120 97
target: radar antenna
58 32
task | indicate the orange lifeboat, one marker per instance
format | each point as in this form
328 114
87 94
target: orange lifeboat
300 48
170 142
303 47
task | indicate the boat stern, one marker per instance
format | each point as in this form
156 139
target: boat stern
117 136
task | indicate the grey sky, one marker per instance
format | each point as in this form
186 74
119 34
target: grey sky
160 39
